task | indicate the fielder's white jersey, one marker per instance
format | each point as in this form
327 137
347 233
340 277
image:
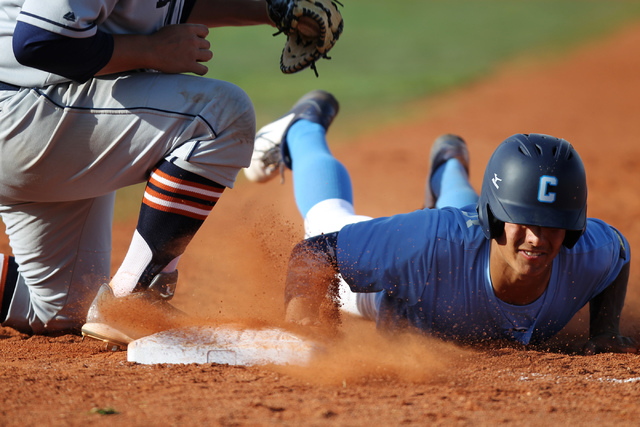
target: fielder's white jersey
76 19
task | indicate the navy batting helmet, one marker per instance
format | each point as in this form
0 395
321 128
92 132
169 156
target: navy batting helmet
537 180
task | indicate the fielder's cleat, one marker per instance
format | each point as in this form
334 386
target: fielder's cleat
118 321
444 148
270 154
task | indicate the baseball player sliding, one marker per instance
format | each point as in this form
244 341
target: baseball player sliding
92 100
516 263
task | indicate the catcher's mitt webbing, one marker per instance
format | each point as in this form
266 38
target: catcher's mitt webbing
312 28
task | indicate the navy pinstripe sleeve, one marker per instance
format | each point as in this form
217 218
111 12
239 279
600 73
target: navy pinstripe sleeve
77 59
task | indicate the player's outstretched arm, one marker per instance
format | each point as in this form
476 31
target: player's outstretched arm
311 274
604 324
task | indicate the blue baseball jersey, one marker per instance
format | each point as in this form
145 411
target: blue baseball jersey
431 269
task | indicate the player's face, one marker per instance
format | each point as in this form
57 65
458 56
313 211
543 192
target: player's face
527 251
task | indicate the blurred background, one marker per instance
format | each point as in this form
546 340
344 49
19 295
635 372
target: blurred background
393 53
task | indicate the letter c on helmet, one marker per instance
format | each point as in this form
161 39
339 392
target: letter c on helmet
544 195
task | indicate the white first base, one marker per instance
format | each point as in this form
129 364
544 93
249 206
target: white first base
229 345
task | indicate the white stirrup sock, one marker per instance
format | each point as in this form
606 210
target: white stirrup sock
330 215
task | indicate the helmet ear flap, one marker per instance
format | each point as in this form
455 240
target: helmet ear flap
492 227
571 238
496 227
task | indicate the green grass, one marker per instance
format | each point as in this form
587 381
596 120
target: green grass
392 52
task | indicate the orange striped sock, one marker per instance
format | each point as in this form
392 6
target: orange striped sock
175 204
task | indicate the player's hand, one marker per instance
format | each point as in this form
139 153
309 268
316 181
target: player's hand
607 343
305 318
300 312
180 48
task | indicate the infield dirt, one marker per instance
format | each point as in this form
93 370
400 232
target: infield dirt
234 270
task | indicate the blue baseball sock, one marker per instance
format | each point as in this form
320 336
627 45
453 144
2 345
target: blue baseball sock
450 184
317 175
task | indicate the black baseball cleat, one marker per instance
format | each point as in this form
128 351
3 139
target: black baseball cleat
270 154
444 148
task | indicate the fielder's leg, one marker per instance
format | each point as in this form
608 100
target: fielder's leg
8 283
63 251
175 205
180 194
110 133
